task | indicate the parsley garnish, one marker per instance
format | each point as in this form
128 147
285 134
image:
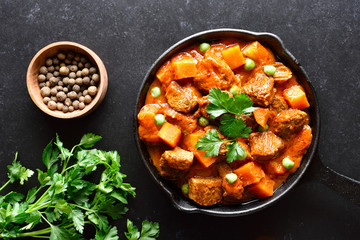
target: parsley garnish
149 231
66 200
230 109
220 103
210 143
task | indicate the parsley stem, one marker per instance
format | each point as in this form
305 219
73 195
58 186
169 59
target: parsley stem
68 159
39 207
45 195
84 208
42 216
35 192
5 185
34 233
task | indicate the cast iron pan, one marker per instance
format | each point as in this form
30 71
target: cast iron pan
345 186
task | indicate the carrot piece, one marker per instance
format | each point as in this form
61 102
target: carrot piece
255 51
261 116
166 73
152 100
170 134
147 128
296 97
249 173
233 57
155 152
234 190
205 161
184 68
189 142
263 189
301 142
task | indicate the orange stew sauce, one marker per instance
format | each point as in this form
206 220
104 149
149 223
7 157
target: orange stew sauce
279 122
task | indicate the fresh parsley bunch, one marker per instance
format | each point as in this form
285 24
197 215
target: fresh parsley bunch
66 200
230 110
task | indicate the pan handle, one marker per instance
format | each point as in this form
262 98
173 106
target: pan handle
347 187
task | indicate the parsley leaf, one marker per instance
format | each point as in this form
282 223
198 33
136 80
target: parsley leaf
107 234
78 219
64 152
220 103
89 140
133 232
58 233
149 231
210 143
235 152
17 172
50 155
234 127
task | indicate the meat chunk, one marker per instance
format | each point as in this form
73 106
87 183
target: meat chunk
186 123
182 99
205 191
289 121
168 172
260 89
213 72
179 158
278 104
265 145
175 163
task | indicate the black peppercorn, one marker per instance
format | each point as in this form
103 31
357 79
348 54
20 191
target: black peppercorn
43 70
61 96
41 78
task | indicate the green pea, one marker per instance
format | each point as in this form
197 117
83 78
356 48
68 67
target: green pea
155 92
261 129
185 188
270 70
287 163
231 177
249 64
159 119
234 90
203 121
204 47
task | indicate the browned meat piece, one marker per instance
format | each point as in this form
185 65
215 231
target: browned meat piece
265 145
282 73
289 121
168 172
278 104
186 123
179 158
212 72
182 99
260 89
205 191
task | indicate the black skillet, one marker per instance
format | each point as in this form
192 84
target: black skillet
347 187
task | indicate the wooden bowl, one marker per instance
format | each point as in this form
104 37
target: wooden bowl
50 51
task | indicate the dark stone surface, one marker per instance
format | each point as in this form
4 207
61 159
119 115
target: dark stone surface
129 36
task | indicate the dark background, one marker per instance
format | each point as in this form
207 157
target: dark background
129 36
